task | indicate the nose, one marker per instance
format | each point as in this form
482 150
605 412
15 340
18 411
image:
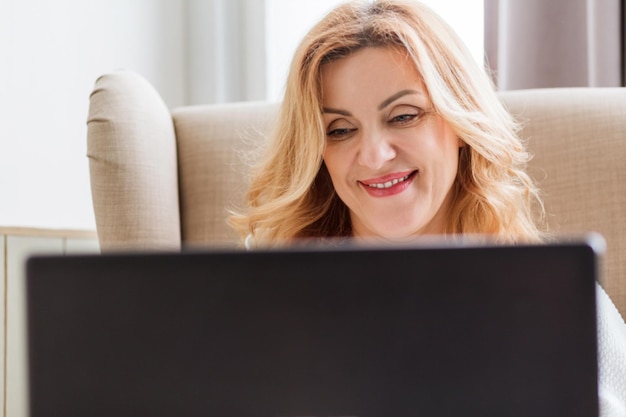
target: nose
375 150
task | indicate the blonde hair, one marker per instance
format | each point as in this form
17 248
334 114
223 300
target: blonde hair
291 195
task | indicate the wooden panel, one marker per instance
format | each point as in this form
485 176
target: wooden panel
18 249
3 328
35 232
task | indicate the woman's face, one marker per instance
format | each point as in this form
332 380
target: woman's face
392 160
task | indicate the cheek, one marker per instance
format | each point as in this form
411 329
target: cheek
450 144
330 168
449 156
335 162
328 161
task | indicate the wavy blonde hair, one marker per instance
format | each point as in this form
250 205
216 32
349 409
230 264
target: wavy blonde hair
291 195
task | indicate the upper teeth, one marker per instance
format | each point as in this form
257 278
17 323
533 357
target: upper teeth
389 183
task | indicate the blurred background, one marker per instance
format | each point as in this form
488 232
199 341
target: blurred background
193 51
215 51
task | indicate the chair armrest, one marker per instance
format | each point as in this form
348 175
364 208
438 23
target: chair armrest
131 147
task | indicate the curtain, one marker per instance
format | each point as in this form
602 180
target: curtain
555 43
225 56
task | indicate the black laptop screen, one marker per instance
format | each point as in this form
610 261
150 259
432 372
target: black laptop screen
472 331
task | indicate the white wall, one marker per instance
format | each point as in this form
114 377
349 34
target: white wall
287 23
51 54
193 52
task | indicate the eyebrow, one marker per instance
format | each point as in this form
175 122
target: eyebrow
336 111
396 96
381 106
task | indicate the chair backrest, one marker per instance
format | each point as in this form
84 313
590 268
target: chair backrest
161 179
216 145
578 139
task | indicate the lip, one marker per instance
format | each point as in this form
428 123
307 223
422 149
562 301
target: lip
369 185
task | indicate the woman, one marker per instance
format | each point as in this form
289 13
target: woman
390 130
292 193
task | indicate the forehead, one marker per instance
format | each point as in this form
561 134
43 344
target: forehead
371 71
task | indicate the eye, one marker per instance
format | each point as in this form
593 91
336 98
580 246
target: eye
405 115
339 131
404 118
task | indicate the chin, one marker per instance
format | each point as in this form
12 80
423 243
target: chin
392 233
403 230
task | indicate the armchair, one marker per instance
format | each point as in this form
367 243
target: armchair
164 179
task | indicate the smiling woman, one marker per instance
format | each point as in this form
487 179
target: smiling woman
389 129
391 159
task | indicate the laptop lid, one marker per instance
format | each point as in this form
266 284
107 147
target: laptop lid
351 331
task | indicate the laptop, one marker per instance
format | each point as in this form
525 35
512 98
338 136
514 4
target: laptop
423 330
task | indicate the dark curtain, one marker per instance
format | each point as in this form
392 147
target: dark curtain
555 43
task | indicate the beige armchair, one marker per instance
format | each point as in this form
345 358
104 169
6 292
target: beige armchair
165 179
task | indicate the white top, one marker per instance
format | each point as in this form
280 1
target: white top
250 242
611 357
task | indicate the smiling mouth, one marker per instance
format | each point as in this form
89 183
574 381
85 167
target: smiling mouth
390 183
